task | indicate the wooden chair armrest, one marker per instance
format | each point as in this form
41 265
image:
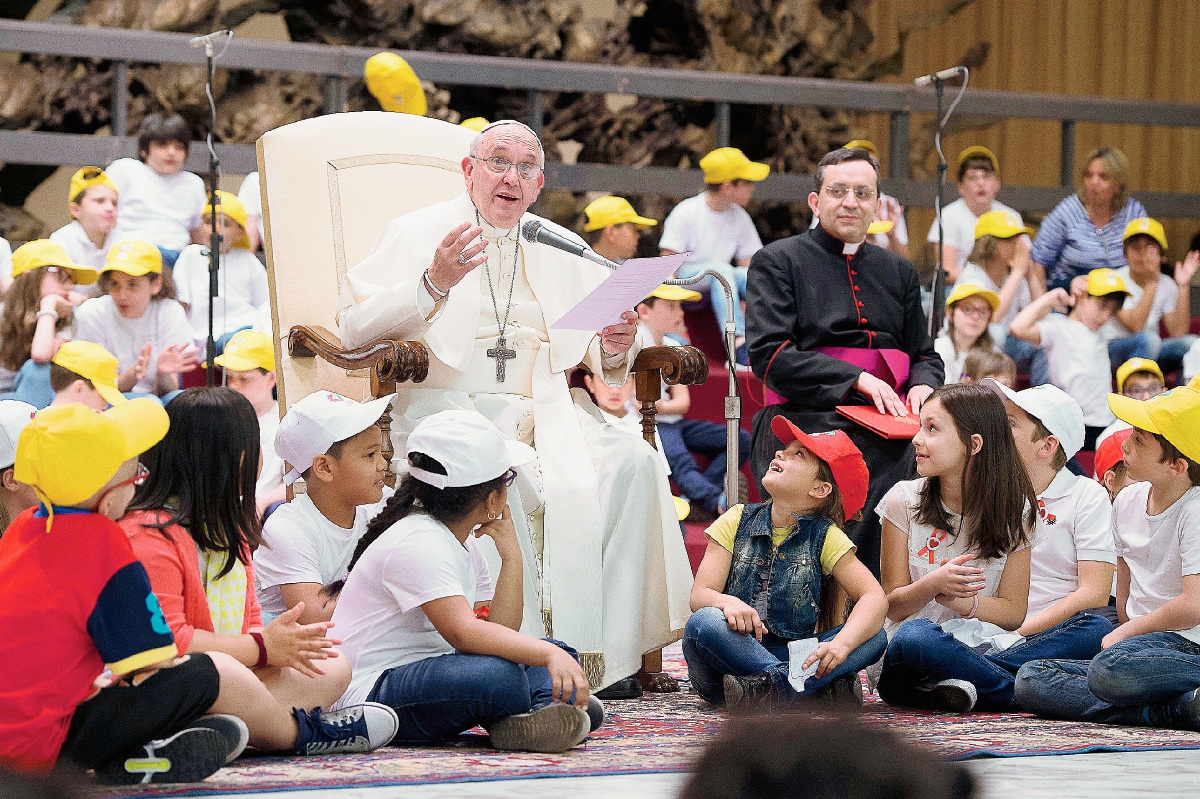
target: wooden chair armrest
390 362
676 366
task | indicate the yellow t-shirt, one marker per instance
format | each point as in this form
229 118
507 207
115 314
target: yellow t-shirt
837 544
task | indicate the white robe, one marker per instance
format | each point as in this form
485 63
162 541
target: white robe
605 566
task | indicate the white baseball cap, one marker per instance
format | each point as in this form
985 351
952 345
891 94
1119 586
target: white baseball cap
317 422
14 415
468 445
1051 406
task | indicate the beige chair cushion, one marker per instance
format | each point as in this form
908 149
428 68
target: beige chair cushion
329 185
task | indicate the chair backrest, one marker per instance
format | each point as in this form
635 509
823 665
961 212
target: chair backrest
329 185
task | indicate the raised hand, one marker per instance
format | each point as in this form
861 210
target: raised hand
456 256
1186 270
178 358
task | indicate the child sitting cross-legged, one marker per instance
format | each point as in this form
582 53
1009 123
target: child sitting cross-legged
764 583
193 524
1148 671
411 608
85 372
92 680
334 443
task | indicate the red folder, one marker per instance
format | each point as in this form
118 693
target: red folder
883 424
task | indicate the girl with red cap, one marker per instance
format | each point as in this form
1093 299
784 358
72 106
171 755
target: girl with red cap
762 598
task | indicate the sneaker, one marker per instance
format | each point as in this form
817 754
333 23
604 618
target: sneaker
352 730
595 711
755 692
550 730
189 755
949 696
236 733
1187 710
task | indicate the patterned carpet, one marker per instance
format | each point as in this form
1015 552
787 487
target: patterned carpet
659 733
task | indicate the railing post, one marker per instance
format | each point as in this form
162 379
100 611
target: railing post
898 146
335 94
1067 157
535 111
120 98
724 119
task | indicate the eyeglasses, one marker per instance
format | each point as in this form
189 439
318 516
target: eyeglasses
509 477
838 191
500 166
138 479
63 274
976 312
1143 392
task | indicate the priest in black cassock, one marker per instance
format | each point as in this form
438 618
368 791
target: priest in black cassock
822 310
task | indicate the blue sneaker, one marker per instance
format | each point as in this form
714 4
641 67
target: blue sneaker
351 730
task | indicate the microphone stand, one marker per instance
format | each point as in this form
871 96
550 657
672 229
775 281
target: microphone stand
938 289
215 237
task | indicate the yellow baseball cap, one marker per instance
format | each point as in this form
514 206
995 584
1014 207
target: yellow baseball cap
729 163
979 151
666 291
133 258
862 144
1134 365
93 362
880 226
1102 282
682 508
68 452
1001 225
964 290
231 207
43 252
474 123
249 349
87 177
612 210
1145 226
392 82
1175 415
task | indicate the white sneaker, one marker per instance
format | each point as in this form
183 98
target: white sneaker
352 730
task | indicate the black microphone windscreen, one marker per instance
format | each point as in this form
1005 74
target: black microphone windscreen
530 229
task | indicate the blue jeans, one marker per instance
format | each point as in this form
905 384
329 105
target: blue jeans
922 652
1136 682
1028 359
1135 345
439 697
1171 352
680 439
712 650
169 257
736 275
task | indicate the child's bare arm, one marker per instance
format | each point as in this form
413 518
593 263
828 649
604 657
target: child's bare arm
865 621
1095 581
317 606
1122 590
1024 324
1180 613
1008 608
678 401
709 585
1134 319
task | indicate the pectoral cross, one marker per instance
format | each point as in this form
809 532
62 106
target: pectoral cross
501 354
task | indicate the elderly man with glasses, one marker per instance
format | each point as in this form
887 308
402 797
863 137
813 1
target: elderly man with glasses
605 569
832 319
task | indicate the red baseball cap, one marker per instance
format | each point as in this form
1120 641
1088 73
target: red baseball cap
837 450
1109 453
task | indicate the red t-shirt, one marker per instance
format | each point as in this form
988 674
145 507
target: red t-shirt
72 601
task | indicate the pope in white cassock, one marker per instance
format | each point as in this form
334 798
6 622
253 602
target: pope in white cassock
605 566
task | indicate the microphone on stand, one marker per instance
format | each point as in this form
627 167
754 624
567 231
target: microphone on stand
945 74
201 41
535 231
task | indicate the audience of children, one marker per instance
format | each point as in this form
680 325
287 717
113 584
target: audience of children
969 309
749 615
1148 672
248 362
241 278
335 445
1076 352
1139 378
14 496
989 363
139 321
1000 261
92 203
411 608
160 202
86 373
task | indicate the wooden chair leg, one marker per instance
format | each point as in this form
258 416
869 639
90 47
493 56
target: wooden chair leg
653 679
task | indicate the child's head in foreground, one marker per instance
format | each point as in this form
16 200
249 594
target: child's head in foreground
1047 425
982 363
1164 446
822 474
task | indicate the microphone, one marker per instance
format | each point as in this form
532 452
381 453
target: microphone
945 74
535 231
201 41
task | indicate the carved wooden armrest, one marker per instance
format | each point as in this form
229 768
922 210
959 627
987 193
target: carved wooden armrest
676 366
390 362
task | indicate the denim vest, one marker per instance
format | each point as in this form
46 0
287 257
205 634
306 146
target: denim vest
791 574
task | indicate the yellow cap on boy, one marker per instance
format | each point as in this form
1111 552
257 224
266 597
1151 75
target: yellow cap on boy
610 210
1102 282
729 163
85 178
1175 415
1135 365
249 349
231 207
93 362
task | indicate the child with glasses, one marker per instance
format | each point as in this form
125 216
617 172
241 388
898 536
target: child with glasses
969 309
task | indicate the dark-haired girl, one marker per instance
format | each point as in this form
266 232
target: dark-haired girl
193 523
956 545
411 608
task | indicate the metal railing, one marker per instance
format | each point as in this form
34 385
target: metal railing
340 65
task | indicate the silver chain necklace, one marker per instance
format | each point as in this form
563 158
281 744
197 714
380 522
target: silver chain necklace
501 353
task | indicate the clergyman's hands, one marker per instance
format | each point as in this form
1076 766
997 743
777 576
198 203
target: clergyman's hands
884 396
617 339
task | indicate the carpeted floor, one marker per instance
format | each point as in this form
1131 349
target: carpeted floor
659 733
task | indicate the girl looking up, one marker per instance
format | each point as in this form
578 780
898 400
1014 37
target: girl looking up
411 609
764 582
955 546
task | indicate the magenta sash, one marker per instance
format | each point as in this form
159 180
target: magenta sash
889 365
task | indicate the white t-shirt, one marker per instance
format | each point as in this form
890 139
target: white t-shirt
163 324
300 545
1165 299
929 546
379 616
972 273
271 476
958 227
1074 524
943 345
1159 550
5 257
717 236
160 209
241 287
72 238
1191 362
1078 360
252 199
